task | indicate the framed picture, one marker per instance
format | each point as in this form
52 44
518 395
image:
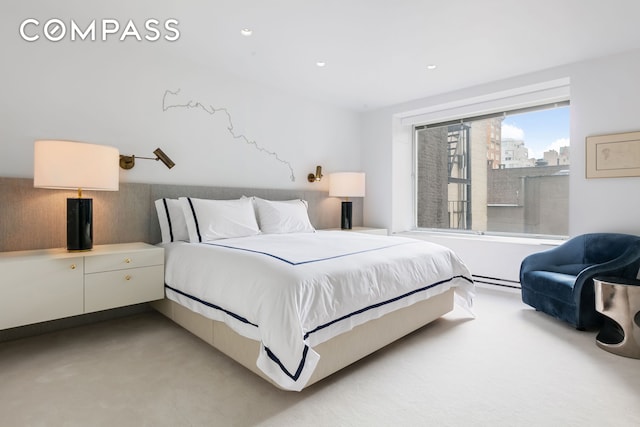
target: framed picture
613 156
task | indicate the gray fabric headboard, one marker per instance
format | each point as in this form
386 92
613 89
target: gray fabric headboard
35 218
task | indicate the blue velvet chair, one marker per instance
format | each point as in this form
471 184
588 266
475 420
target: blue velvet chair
559 281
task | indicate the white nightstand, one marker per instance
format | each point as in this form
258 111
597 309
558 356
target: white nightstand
50 284
366 230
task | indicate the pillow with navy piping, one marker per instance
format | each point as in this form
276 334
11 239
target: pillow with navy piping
286 216
173 226
209 220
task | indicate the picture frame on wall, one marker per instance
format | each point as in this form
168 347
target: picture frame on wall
613 156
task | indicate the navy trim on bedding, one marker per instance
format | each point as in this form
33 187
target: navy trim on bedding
166 209
271 355
208 304
195 219
275 359
285 370
380 304
308 261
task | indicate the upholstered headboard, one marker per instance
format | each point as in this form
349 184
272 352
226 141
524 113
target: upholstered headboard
324 211
35 218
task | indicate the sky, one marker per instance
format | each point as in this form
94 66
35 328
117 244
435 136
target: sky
540 130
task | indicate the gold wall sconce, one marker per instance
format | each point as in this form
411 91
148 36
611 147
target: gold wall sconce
317 176
128 162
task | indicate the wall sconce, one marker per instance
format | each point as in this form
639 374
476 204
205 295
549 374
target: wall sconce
128 162
317 177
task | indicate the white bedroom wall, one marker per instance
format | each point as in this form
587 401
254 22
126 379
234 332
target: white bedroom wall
387 148
112 93
605 98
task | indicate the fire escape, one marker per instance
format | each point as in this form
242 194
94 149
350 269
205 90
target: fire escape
459 177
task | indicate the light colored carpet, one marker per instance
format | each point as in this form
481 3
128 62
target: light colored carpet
510 366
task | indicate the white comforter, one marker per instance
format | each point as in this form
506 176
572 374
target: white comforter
294 291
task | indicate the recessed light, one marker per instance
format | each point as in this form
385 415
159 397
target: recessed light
321 64
246 32
432 67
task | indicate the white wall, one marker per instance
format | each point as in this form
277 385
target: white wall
487 256
605 98
111 93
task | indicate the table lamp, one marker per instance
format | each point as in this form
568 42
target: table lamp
346 184
79 166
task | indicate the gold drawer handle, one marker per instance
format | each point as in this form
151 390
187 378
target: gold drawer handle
127 260
127 277
73 266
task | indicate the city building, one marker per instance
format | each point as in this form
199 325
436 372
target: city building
515 154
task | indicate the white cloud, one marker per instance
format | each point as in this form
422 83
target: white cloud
512 132
562 142
555 145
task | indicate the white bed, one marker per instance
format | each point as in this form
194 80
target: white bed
296 307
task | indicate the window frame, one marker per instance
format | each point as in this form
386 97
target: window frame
461 120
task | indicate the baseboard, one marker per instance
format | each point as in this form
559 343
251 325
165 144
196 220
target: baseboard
494 281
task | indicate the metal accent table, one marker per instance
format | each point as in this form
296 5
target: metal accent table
618 299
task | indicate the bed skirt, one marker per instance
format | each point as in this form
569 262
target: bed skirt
335 354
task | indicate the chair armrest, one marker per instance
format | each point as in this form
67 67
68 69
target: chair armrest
617 266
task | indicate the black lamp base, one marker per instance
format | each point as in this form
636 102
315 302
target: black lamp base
345 222
79 224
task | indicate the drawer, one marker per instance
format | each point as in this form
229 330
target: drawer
124 260
38 289
123 287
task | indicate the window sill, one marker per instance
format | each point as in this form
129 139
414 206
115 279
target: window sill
483 237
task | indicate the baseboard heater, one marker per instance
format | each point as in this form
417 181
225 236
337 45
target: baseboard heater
505 283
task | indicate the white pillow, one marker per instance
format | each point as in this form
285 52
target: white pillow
173 226
288 216
218 219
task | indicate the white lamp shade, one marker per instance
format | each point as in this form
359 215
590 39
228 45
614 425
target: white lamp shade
75 165
346 184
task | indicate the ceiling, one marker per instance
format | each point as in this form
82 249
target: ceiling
377 51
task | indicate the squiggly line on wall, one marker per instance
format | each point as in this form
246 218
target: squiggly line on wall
211 110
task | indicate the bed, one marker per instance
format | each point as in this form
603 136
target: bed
296 306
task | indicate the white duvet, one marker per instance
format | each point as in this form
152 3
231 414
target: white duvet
294 291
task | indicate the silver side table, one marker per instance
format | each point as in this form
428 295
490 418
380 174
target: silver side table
618 300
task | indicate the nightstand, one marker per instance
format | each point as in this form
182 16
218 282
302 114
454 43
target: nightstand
366 230
125 274
49 284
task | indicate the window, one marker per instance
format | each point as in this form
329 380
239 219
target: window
499 173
